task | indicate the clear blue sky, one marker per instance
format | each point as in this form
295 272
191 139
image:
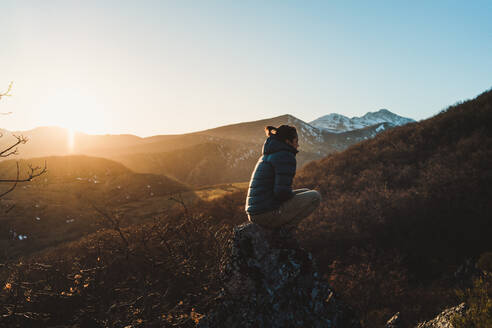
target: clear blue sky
162 67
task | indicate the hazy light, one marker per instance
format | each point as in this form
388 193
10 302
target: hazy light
71 141
159 67
74 109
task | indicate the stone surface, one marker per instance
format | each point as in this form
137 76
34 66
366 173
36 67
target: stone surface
443 319
394 321
268 281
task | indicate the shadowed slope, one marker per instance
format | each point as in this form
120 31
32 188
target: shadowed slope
415 200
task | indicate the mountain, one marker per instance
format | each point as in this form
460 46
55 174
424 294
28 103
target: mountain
55 141
337 123
223 154
201 164
220 155
311 138
341 141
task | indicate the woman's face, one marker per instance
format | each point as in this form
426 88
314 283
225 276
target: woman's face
294 142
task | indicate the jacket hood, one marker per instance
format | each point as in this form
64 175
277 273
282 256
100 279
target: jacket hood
273 145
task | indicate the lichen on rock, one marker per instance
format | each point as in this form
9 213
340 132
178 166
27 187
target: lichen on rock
445 318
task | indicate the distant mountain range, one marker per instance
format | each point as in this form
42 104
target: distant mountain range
336 123
219 155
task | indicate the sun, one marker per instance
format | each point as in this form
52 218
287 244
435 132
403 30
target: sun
74 109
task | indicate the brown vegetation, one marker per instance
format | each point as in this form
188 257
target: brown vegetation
56 207
161 273
402 211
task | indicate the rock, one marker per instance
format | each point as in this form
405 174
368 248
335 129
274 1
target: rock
443 319
268 281
394 321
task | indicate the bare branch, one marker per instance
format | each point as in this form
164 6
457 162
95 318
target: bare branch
31 175
10 208
115 224
7 93
12 150
179 199
7 152
14 185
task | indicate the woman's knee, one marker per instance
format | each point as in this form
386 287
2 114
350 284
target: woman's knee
315 196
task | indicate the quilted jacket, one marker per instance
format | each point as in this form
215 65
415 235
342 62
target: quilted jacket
271 181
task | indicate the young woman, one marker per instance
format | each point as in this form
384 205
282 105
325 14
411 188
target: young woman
271 202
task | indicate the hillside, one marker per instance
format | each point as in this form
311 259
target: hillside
57 206
403 211
46 141
204 164
52 141
311 138
228 153
158 272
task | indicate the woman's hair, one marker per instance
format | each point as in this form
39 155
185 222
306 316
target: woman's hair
283 132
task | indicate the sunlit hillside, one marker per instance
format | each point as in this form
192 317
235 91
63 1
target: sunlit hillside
49 141
202 164
59 205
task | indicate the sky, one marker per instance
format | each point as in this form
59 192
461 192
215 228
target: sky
171 67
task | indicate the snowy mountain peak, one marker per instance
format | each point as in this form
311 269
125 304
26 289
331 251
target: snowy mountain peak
336 116
337 123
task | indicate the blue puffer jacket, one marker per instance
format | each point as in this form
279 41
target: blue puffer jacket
271 180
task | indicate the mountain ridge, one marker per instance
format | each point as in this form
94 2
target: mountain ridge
338 123
241 143
284 117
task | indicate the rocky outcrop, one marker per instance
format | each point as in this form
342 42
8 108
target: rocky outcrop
444 319
268 281
394 321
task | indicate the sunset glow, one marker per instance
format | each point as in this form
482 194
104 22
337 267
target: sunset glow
166 67
71 140
73 109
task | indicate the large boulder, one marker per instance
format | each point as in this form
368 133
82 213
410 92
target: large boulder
268 281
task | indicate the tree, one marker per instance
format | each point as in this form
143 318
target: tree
33 172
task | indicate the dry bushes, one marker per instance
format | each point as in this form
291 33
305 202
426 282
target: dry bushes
156 274
418 193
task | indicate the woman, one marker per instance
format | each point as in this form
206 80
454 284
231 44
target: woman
271 202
